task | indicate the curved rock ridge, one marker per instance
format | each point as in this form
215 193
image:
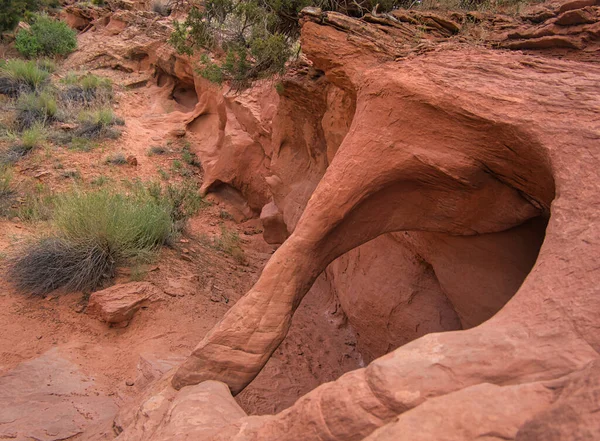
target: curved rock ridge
421 176
459 142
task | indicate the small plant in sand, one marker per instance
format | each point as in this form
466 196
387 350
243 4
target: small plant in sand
6 189
116 159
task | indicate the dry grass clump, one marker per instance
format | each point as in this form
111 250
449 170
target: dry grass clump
87 89
20 76
96 231
6 189
98 124
22 144
35 108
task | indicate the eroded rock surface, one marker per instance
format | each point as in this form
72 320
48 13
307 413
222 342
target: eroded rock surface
50 399
421 176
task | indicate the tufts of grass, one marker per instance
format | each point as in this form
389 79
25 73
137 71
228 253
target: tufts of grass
30 139
6 189
94 233
33 108
116 159
5 182
229 243
86 89
156 150
100 181
33 137
37 205
81 144
98 124
183 200
20 76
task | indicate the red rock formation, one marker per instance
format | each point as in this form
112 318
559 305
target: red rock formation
429 169
463 143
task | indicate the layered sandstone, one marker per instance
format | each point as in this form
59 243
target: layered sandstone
418 177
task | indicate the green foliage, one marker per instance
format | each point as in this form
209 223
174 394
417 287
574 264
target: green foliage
229 243
252 34
46 37
37 205
6 189
33 136
18 76
183 200
12 11
211 71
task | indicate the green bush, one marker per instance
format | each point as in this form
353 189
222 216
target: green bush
46 37
251 33
18 76
94 232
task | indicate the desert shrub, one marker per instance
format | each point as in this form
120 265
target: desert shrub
35 109
97 124
20 76
94 232
116 159
37 204
22 145
251 34
183 200
156 150
161 7
47 64
229 243
46 36
33 137
5 182
86 89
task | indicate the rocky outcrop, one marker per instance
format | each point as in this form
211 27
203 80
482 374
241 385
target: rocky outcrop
421 175
457 143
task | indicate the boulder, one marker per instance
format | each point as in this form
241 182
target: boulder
118 304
